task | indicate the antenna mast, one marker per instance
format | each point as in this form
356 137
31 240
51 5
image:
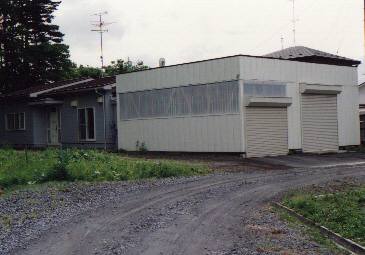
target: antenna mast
295 24
100 28
364 27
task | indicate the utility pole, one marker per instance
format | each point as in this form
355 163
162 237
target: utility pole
282 41
100 28
364 28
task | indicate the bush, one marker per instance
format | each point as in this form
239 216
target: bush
22 168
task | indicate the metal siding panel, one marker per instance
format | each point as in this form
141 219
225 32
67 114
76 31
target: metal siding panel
319 123
194 134
348 116
291 71
267 131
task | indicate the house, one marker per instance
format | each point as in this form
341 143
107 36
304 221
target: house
74 113
298 99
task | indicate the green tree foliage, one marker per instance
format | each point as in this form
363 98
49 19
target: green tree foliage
31 49
120 66
83 71
116 67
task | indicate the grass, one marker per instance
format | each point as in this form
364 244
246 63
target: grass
342 212
314 234
19 168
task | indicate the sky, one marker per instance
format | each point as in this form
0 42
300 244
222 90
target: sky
189 30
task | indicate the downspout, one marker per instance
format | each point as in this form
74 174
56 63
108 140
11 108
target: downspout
104 118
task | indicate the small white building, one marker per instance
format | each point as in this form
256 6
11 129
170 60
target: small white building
295 99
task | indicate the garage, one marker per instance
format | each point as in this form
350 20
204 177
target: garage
267 131
319 123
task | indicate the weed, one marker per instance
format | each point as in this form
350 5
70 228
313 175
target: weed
314 234
6 222
341 212
18 169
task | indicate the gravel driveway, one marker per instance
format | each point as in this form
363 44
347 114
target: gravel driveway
215 214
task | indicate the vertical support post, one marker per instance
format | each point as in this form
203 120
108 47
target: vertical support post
242 115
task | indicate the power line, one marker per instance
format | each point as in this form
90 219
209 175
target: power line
100 28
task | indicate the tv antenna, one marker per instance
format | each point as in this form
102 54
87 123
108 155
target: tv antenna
294 20
101 29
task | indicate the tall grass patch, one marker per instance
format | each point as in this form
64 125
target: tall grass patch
24 168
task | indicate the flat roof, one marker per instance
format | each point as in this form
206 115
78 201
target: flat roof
240 55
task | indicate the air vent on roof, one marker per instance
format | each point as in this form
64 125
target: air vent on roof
162 62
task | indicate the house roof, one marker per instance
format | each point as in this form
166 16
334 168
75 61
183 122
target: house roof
26 92
84 86
305 54
62 87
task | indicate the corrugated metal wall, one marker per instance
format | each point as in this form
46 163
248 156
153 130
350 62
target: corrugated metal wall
220 133
226 69
205 132
295 73
225 132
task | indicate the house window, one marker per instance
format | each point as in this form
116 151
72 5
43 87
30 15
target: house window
15 121
86 124
252 89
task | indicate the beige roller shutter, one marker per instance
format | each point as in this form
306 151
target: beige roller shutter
320 124
266 131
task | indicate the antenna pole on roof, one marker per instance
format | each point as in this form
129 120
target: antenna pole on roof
364 28
294 24
100 28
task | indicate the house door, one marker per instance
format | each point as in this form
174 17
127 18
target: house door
53 131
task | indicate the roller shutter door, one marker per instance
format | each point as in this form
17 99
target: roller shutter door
320 123
266 131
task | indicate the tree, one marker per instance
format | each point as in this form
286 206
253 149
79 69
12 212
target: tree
31 49
116 67
120 66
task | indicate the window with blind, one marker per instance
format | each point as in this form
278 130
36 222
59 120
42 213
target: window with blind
219 98
86 118
15 121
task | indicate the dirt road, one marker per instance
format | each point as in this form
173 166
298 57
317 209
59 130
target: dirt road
215 214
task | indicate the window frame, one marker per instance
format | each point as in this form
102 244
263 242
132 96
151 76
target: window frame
87 139
248 83
21 126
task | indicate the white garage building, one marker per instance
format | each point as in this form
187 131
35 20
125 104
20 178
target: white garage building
295 99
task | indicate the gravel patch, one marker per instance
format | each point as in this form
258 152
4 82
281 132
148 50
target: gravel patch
265 233
26 214
215 214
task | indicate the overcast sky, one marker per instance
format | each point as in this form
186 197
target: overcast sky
188 30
